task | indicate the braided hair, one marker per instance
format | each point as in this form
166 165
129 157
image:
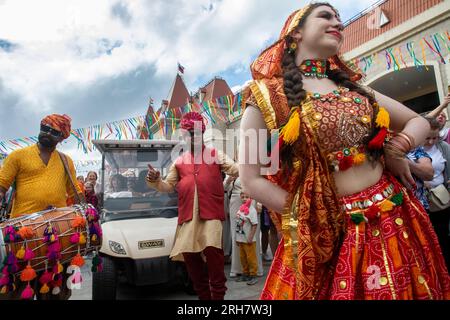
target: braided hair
293 87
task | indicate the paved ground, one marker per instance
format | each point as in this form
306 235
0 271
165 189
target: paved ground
236 290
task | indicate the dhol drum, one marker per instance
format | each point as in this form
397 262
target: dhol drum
46 241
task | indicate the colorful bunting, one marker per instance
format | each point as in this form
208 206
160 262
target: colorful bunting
226 109
436 43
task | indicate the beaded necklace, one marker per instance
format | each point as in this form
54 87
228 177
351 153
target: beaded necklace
314 68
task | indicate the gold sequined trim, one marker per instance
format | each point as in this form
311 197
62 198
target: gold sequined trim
296 20
308 113
388 270
262 97
289 228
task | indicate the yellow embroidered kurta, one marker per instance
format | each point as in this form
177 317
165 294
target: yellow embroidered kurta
37 185
197 234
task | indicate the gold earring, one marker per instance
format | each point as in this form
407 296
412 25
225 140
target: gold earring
292 48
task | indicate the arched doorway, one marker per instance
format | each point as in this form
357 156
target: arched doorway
415 87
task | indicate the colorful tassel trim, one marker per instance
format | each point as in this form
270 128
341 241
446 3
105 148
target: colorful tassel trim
359 159
50 234
97 263
46 277
56 291
75 238
29 255
357 218
26 233
82 239
21 253
383 119
375 210
345 163
77 261
28 274
92 215
28 293
44 289
78 221
291 131
378 141
386 205
11 234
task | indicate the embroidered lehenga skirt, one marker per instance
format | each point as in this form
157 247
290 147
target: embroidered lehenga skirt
389 251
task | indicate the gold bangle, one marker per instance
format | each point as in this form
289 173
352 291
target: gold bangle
398 144
408 137
405 139
394 152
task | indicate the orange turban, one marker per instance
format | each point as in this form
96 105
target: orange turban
189 119
268 63
58 122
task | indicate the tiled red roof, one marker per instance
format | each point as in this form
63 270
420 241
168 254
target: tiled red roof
179 94
215 89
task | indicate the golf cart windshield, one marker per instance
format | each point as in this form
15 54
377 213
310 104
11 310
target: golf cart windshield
125 191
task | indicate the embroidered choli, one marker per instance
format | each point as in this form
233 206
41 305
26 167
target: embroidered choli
344 122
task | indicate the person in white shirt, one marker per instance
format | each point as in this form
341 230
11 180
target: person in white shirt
246 225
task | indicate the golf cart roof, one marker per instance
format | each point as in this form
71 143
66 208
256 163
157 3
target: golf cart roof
107 145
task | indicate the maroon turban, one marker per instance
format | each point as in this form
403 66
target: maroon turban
189 119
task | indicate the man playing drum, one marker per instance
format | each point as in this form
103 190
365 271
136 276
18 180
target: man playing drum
39 173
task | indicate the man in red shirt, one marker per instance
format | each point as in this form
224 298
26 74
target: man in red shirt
198 181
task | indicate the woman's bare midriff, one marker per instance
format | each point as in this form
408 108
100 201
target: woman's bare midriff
356 179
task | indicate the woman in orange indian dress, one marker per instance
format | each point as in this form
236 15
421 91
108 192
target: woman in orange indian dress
351 230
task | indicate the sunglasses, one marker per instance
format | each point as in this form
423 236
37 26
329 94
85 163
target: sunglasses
51 131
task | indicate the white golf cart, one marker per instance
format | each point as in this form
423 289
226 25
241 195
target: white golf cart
138 223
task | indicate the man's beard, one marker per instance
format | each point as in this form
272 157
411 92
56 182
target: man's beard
47 142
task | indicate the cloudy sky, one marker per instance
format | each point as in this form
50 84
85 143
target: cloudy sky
100 60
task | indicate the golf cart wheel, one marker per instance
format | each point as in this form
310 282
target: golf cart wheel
104 283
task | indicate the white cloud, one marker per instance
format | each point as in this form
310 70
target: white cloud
100 60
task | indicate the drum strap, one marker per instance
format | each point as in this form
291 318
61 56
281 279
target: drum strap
80 197
5 209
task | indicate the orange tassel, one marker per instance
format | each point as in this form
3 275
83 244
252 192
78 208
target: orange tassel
359 159
386 206
26 233
44 289
77 261
78 221
82 239
60 267
28 274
